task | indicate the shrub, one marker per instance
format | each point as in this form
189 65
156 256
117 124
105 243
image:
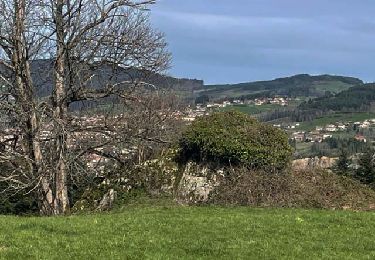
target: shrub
234 138
15 202
18 204
153 179
306 189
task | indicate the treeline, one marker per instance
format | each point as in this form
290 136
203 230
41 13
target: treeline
356 99
295 115
263 94
364 171
332 147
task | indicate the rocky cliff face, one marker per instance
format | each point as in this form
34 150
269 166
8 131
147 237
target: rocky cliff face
312 163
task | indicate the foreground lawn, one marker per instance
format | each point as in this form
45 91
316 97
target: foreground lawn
173 232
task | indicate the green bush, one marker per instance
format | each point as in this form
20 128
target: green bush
18 204
13 202
234 138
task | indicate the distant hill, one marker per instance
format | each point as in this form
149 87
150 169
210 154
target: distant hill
302 85
42 74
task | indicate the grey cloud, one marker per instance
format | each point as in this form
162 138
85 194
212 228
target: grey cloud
233 41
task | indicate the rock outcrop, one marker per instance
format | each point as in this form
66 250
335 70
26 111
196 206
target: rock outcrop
312 163
196 183
108 200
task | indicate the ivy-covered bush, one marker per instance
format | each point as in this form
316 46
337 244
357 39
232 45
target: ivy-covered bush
234 138
18 204
15 203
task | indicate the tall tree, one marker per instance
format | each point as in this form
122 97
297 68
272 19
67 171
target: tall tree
91 44
366 171
18 98
343 163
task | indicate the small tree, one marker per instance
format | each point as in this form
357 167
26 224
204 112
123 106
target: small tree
366 170
342 166
202 99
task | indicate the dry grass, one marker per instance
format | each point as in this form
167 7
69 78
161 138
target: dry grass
307 189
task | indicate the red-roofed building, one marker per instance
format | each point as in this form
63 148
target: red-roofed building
360 138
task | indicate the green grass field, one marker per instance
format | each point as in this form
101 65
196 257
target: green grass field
333 86
175 232
338 117
252 109
303 147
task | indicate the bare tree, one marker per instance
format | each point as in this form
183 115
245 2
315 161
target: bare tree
18 87
99 50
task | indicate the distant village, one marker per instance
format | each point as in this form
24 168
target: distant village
319 134
323 132
205 109
9 136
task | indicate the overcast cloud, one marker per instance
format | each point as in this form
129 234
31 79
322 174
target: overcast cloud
229 41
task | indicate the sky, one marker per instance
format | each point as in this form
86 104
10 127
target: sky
232 41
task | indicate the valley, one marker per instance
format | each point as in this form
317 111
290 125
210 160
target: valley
331 108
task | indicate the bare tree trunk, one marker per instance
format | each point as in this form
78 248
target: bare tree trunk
60 116
44 191
24 85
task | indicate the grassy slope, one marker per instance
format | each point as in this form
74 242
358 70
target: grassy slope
304 148
280 86
252 109
333 86
173 232
338 117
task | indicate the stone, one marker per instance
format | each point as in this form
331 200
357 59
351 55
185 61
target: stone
108 200
312 163
196 184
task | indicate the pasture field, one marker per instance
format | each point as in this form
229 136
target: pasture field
334 86
337 117
252 109
168 231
